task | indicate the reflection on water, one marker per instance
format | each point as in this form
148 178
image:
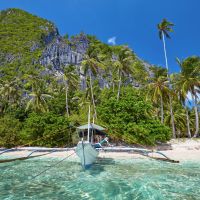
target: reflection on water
107 179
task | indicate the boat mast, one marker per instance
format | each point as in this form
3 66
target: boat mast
88 125
92 136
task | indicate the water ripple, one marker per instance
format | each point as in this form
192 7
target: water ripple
107 179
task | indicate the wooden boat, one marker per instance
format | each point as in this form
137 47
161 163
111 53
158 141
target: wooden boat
87 147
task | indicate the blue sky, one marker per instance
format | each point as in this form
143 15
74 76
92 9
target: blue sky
131 22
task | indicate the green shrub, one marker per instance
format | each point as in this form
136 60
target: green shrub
9 131
47 129
130 119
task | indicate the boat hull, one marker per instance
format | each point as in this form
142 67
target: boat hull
86 153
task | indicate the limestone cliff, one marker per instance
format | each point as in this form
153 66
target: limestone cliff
60 53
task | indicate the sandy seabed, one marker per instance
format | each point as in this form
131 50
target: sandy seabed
181 150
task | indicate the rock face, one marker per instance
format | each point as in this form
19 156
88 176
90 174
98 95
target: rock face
27 40
60 53
23 35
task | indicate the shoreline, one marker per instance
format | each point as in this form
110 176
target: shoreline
181 150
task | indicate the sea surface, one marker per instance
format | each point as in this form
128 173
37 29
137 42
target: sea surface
142 179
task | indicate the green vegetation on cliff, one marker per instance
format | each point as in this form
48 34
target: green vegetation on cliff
22 39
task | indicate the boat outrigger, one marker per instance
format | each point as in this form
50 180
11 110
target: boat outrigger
91 140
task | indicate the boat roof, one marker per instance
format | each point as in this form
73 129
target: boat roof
91 126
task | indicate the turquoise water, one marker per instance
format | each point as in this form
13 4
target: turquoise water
107 179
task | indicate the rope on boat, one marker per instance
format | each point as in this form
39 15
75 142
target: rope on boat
48 168
52 166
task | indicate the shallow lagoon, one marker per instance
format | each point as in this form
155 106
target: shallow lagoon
107 179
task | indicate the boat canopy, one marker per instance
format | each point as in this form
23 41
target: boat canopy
96 129
91 126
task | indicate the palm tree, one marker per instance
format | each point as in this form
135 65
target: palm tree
179 118
189 82
158 89
70 79
164 28
38 97
140 73
10 92
179 82
91 63
123 62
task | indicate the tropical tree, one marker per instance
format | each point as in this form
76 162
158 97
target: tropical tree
123 61
70 79
10 93
188 82
140 73
164 28
90 66
37 97
158 88
179 118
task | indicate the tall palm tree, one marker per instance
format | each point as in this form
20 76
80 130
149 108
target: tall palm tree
123 62
91 63
158 90
189 82
70 79
164 28
179 81
179 118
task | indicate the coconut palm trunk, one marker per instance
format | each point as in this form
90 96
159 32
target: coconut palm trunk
119 85
92 94
165 52
172 117
196 134
66 97
188 123
170 98
113 87
112 81
161 109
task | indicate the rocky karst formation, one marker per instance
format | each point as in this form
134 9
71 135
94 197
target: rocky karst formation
60 53
27 40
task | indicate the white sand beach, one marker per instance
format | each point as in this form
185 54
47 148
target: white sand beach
181 150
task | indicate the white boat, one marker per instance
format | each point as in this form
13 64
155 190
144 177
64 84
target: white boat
87 153
86 147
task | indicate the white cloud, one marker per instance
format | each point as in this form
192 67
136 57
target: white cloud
112 40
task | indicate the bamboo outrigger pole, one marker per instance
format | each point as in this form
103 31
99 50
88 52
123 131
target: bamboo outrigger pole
24 158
